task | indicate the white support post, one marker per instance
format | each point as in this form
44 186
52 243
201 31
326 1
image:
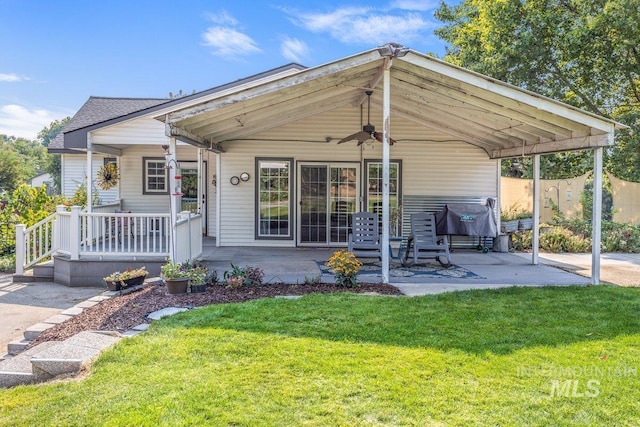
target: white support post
172 165
535 243
386 107
89 175
57 238
74 232
596 220
89 187
218 196
20 255
200 190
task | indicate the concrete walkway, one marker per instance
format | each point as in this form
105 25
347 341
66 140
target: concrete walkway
25 304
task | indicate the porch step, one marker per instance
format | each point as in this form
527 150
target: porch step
32 332
43 269
50 359
69 356
18 370
17 346
40 273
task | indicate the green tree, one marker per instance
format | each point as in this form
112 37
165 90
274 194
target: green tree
583 52
14 169
54 163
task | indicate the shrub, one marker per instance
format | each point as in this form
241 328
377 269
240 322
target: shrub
560 239
247 276
345 267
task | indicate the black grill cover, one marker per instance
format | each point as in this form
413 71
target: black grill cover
466 219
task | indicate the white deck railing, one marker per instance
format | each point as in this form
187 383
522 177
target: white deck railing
35 243
107 234
188 237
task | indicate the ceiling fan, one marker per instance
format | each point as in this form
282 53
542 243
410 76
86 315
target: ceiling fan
368 131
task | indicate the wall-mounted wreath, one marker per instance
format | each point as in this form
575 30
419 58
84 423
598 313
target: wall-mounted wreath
108 176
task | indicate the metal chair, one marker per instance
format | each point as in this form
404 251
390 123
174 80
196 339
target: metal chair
424 240
122 224
364 239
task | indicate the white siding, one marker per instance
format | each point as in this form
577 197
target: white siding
74 171
433 164
141 131
144 137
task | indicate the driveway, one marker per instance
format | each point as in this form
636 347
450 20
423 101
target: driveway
616 268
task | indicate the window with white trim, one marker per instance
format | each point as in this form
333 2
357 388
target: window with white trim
155 177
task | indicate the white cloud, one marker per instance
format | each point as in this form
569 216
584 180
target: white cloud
12 78
222 18
227 40
16 120
360 25
294 49
421 5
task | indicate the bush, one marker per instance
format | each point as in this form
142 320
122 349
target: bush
8 264
243 276
618 237
560 239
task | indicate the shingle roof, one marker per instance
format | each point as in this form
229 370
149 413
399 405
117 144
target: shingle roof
100 109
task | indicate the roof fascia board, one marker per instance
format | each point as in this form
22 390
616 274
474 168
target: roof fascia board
305 76
577 143
507 90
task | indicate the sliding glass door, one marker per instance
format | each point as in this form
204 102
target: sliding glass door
328 197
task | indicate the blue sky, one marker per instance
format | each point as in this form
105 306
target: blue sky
54 54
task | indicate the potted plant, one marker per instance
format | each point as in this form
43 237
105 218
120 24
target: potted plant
119 280
176 277
525 220
509 220
197 279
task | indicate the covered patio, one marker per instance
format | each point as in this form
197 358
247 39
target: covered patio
480 271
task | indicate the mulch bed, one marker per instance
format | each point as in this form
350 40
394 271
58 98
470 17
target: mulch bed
123 312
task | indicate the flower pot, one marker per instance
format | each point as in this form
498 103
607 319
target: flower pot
509 226
113 286
195 289
525 224
177 286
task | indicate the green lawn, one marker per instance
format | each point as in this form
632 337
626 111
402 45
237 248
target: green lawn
518 356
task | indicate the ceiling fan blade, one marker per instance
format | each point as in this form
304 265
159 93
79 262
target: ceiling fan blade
378 137
359 136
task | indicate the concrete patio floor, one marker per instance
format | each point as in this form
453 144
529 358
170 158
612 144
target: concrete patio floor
293 265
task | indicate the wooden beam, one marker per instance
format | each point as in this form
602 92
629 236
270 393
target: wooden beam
577 143
374 82
299 78
190 138
510 92
446 129
467 127
499 106
269 111
272 122
105 149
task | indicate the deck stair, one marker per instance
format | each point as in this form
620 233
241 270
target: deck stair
54 358
42 272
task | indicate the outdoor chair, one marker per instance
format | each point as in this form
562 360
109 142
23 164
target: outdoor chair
364 239
122 225
423 239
